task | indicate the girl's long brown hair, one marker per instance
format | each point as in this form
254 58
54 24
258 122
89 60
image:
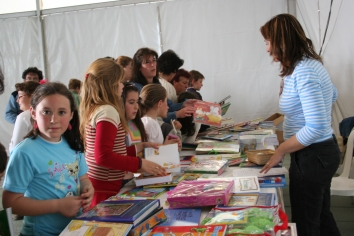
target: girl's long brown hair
100 87
288 42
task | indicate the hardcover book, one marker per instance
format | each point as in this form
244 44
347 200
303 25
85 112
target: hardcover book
175 180
219 137
207 166
179 217
151 179
166 156
224 108
140 192
149 222
209 230
208 113
218 147
124 211
266 199
87 228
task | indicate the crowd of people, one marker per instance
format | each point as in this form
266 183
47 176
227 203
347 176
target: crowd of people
75 146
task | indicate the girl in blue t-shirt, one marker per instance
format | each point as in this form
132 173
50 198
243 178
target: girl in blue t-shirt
46 178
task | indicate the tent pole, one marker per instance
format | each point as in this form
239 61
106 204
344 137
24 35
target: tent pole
160 32
41 39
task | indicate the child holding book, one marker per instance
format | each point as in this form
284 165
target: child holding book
195 83
46 178
154 104
104 126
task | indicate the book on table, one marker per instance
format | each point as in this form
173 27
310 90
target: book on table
155 218
166 156
207 166
208 113
183 216
217 136
175 180
141 192
205 230
218 147
151 179
85 228
122 211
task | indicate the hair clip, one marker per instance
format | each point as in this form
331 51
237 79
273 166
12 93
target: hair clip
43 81
87 75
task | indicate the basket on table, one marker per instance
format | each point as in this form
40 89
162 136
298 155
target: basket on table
260 157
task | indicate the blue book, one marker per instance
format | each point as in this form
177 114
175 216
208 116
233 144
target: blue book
123 211
266 199
182 217
272 181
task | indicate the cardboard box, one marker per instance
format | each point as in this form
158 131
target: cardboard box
277 119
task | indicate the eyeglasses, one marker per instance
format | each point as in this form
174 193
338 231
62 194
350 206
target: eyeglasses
19 97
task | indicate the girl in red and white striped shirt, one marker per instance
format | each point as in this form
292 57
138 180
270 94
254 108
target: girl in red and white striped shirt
103 127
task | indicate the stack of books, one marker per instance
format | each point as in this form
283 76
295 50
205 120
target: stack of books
117 218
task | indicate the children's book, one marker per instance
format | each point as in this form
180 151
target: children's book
175 180
246 184
151 179
149 222
218 136
224 108
86 228
186 160
180 217
207 113
266 199
217 147
236 161
166 156
243 200
124 211
205 230
140 192
207 166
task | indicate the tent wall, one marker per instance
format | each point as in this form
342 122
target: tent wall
219 38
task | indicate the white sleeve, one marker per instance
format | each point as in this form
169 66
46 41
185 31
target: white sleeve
21 129
105 113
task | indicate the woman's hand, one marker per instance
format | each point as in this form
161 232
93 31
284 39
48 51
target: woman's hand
274 160
152 168
185 112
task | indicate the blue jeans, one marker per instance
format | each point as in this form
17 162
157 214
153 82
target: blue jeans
311 171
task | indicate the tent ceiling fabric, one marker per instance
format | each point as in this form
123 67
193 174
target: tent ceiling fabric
220 38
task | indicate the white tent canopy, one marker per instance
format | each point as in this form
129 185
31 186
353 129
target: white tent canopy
219 38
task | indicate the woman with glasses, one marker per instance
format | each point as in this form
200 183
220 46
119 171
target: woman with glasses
12 109
23 123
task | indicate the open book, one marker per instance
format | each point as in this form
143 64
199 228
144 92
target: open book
166 156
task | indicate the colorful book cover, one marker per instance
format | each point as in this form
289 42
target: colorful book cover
155 218
236 161
224 108
207 166
243 200
180 217
124 211
140 192
90 228
208 113
246 184
166 156
209 230
217 147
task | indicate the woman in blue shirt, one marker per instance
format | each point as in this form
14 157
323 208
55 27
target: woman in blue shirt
306 101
